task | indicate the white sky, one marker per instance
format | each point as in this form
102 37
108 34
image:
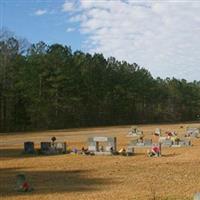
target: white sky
162 36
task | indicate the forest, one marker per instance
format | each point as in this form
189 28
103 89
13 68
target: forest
51 87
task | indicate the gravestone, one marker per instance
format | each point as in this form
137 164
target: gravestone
182 143
61 147
45 147
20 180
22 184
193 132
29 148
157 132
130 151
53 148
197 196
140 143
96 148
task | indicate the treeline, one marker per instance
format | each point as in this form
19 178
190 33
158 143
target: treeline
51 87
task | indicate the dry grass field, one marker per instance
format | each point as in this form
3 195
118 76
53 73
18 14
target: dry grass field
175 175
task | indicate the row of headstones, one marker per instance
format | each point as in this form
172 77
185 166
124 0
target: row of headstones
190 132
167 142
46 147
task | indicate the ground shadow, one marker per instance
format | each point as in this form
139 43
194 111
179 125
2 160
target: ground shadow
51 181
170 155
14 153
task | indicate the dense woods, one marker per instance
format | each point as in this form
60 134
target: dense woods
51 87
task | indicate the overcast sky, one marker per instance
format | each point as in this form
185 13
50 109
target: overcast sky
162 36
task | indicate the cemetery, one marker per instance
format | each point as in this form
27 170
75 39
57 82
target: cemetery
99 100
133 159
103 145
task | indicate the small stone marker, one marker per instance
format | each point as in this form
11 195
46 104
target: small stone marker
20 180
45 147
197 196
130 151
61 147
29 147
157 132
140 143
22 184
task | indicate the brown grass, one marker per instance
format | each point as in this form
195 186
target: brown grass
176 175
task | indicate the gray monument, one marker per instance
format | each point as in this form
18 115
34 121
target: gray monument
102 145
140 143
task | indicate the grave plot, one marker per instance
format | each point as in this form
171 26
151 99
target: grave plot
140 143
192 132
134 132
181 143
102 145
53 147
174 142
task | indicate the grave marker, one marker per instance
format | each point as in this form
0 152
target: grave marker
29 147
96 148
197 196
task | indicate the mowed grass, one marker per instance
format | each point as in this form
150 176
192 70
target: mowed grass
175 175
